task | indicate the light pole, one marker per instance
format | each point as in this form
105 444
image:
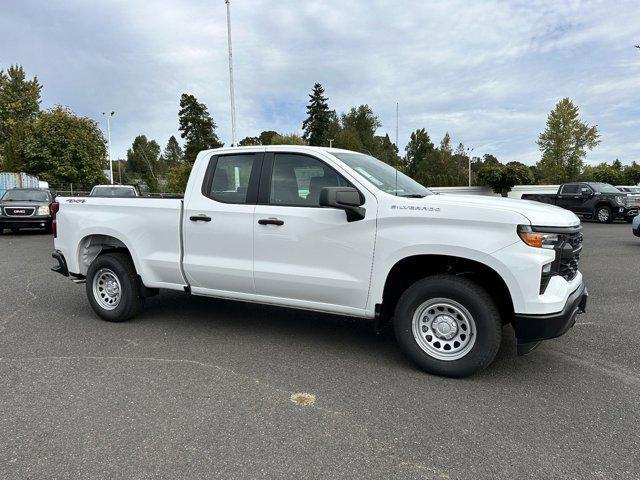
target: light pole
331 143
109 142
469 150
233 100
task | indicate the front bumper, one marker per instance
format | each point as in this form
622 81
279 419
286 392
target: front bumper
625 212
25 222
531 329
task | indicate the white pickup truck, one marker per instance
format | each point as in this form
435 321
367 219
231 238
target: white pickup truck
340 232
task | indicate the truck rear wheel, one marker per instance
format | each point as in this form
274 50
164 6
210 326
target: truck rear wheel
448 325
112 287
604 214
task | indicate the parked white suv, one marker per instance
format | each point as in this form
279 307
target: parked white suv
340 232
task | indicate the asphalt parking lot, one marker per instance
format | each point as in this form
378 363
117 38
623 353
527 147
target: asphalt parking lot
200 388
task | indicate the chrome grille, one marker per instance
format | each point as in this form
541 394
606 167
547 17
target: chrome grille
19 211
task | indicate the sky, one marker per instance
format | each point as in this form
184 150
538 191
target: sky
487 72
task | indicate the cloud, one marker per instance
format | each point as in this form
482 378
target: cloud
486 72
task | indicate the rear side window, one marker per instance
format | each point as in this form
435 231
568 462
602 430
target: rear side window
297 180
231 176
570 189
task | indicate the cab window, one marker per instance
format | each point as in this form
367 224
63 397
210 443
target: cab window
230 181
296 180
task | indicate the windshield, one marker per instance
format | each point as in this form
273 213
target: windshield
604 188
382 175
17 195
113 192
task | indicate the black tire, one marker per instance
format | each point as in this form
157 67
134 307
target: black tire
121 266
476 301
607 214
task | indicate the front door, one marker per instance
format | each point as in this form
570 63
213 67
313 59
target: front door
304 254
218 226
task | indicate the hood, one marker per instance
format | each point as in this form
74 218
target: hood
539 214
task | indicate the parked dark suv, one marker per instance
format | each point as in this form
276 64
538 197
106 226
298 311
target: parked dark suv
26 208
600 201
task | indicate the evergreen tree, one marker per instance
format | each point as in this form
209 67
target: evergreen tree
564 143
316 125
173 152
196 127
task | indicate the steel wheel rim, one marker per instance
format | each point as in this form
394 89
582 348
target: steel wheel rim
107 290
603 215
444 329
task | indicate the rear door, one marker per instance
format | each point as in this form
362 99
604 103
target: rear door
218 226
569 196
304 254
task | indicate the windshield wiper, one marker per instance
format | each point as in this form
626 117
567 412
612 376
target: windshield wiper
413 195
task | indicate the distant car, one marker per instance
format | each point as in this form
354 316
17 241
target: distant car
26 208
114 191
633 189
635 226
600 201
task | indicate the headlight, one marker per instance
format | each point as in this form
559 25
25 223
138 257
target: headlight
537 239
44 210
620 201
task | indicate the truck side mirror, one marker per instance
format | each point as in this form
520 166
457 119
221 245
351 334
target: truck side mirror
586 192
344 198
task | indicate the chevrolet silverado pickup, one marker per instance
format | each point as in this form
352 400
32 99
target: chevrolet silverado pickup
335 231
592 200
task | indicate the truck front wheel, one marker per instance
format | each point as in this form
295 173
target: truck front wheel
604 214
448 325
112 287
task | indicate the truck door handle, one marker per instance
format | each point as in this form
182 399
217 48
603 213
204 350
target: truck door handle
270 221
200 218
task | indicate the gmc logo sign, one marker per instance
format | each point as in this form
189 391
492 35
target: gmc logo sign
20 211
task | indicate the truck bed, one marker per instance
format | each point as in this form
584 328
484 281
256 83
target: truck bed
149 227
549 198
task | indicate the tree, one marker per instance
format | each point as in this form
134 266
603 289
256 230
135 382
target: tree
291 139
171 155
564 143
177 177
266 137
173 152
420 156
316 125
19 107
196 127
359 127
501 178
65 148
247 141
19 100
142 161
387 151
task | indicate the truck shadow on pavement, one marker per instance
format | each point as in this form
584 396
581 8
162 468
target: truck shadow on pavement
302 334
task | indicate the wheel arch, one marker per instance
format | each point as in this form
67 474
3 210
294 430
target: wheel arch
410 269
95 244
